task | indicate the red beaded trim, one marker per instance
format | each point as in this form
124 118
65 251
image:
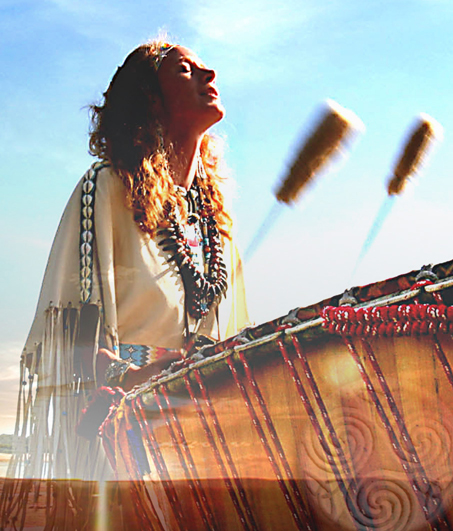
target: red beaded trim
397 320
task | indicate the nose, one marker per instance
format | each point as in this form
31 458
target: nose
208 75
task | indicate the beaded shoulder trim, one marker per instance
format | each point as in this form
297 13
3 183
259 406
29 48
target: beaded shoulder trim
87 230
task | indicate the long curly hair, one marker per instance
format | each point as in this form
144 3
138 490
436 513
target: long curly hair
125 132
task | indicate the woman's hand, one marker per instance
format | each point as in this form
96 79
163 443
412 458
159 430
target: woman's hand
103 359
134 375
138 375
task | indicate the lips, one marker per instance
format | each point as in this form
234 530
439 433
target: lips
211 91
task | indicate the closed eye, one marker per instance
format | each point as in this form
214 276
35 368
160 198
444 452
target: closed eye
185 67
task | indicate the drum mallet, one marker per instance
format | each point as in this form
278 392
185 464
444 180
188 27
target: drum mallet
330 134
413 154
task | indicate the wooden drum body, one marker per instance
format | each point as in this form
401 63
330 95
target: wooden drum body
339 421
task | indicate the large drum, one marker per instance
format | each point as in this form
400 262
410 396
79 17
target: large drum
337 416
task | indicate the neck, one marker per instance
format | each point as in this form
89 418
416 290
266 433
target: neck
183 160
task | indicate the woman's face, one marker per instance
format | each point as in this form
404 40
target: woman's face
190 100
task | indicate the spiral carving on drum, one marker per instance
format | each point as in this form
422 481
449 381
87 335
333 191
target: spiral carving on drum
355 434
431 439
385 504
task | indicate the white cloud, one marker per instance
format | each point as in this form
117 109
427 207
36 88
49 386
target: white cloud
252 38
249 25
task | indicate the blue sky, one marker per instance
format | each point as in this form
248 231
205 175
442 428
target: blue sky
277 61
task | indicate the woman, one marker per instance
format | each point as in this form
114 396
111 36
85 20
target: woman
143 263
158 166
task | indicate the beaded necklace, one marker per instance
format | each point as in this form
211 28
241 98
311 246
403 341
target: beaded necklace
202 290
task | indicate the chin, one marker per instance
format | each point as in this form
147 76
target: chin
211 116
219 112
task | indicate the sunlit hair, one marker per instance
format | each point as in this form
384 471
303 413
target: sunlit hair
125 132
